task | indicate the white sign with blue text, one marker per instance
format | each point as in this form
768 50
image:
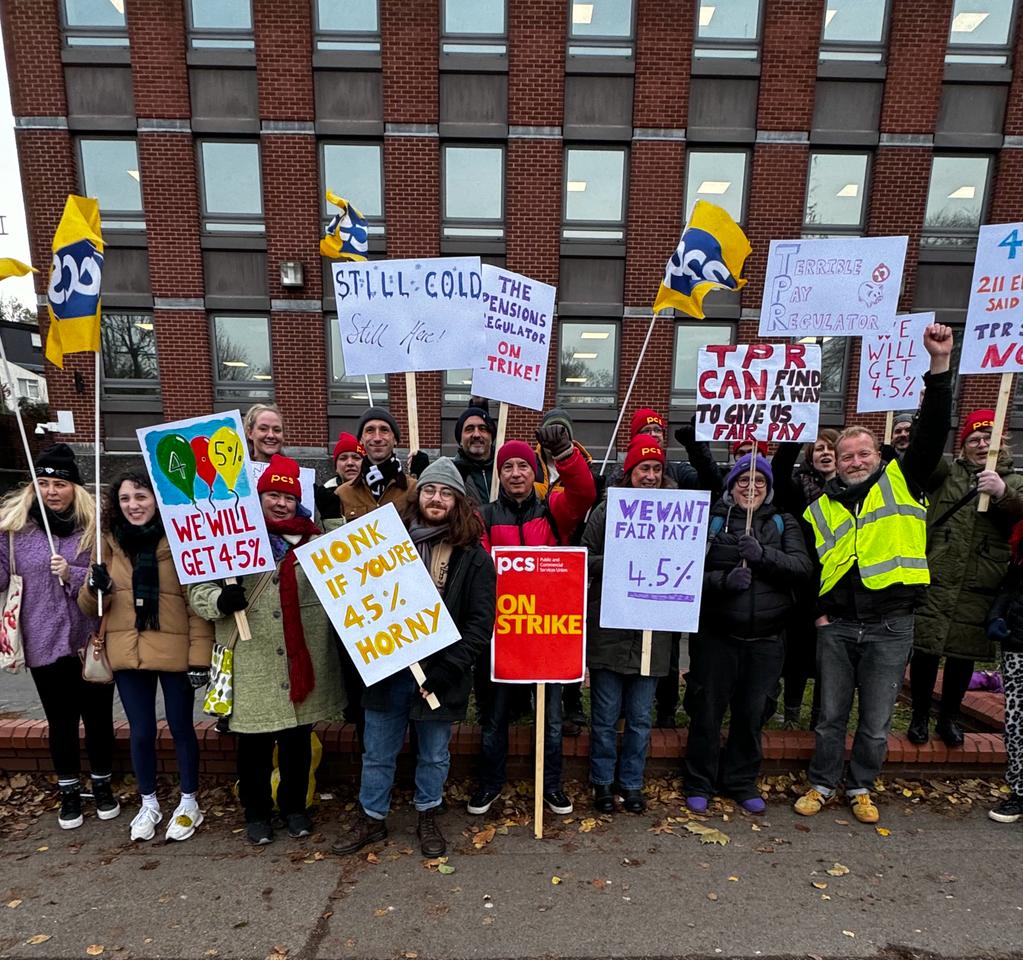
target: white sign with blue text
654 545
396 316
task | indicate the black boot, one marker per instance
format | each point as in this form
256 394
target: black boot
633 801
362 833
70 816
791 720
918 731
603 798
431 840
949 730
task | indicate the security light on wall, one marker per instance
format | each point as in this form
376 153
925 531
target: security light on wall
292 274
714 187
582 13
968 22
965 192
849 190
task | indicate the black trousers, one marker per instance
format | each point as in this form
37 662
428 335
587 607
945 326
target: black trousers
255 765
955 681
68 699
800 660
667 694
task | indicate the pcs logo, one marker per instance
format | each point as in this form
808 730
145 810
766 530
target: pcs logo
75 277
516 564
697 260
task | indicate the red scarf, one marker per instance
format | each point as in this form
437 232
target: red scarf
301 676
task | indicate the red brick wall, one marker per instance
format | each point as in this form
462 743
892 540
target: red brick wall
156 32
31 30
653 382
186 368
1014 107
664 35
300 376
789 64
283 50
410 40
536 75
917 37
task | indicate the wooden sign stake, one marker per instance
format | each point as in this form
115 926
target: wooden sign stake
1004 392
541 709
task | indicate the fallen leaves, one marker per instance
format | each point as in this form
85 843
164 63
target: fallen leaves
883 831
848 933
14 904
555 880
712 896
38 938
482 837
94 949
819 884
838 870
707 834
372 858
587 825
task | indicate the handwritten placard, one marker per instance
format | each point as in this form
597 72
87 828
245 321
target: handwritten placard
401 315
892 366
517 318
306 477
832 288
758 391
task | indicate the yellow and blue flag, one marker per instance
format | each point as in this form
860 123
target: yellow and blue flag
9 267
75 278
347 234
710 256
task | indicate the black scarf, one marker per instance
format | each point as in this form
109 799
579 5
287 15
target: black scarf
61 524
850 495
424 536
139 543
378 476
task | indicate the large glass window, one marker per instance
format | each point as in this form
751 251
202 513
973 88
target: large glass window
241 357
833 355
599 27
224 24
355 171
457 385
690 338
94 23
835 192
720 177
854 30
473 191
347 25
728 29
129 355
955 200
980 31
587 372
594 194
350 387
472 26
110 173
232 187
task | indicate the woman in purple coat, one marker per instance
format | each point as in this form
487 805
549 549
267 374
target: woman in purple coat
53 629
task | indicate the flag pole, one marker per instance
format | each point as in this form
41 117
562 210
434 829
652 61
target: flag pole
99 509
369 390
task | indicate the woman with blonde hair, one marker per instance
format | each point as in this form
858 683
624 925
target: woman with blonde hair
264 429
54 629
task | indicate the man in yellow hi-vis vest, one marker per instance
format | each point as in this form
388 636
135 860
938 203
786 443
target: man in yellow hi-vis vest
870 530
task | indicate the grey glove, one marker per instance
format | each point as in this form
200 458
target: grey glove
198 677
750 548
555 439
739 579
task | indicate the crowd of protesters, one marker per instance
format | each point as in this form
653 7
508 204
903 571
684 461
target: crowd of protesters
839 570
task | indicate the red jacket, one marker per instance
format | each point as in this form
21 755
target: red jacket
537 522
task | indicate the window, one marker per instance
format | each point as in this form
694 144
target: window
854 30
833 354
473 192
345 387
458 385
690 338
728 29
352 25
600 28
980 32
835 192
222 24
129 355
355 171
94 23
28 388
720 177
587 373
241 357
110 173
955 200
473 26
594 194
232 190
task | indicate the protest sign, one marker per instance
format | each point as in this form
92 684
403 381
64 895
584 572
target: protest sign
760 391
378 594
399 316
654 545
306 476
208 501
832 288
518 314
892 366
540 628
993 338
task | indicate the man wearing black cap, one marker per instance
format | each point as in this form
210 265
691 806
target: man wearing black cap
475 431
382 478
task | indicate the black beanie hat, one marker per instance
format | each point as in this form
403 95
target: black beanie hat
378 413
488 422
59 463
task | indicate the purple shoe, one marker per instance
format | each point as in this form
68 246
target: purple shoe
696 804
753 805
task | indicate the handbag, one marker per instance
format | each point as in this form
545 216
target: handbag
219 700
12 650
95 663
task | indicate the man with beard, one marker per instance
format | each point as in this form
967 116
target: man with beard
382 479
475 431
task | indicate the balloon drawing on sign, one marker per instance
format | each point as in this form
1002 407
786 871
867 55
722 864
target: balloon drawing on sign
207 472
227 457
177 462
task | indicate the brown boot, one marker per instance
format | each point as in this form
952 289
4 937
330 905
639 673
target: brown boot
431 840
364 831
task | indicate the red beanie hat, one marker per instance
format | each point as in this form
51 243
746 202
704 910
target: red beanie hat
978 420
643 448
348 443
281 476
644 417
739 444
516 448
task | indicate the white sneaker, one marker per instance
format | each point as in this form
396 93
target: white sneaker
183 821
143 827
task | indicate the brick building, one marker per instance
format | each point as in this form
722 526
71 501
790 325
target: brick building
566 141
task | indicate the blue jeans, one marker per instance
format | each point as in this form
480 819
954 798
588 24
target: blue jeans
384 738
494 758
861 657
610 694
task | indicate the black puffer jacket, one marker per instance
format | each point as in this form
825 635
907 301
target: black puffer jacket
760 611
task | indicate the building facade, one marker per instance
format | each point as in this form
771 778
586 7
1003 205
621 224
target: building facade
566 141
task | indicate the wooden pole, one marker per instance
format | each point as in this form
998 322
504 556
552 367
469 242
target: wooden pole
1004 392
646 653
417 672
889 426
502 429
99 537
541 710
751 488
241 621
412 401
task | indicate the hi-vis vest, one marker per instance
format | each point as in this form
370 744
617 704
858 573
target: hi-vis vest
887 539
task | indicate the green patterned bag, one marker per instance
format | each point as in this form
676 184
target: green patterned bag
219 700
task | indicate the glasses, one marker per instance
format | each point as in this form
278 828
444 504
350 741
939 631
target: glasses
743 482
440 493
982 439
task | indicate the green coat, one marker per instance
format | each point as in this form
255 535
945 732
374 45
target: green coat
261 700
968 556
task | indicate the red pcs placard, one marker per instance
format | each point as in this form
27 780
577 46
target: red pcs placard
540 629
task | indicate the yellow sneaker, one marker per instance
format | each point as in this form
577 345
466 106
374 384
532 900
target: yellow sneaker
810 803
863 808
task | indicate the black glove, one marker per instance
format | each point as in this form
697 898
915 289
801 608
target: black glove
686 434
739 579
418 462
232 598
555 439
198 677
441 677
750 548
99 579
998 629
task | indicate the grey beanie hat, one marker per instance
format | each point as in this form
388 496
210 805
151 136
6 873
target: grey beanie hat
904 416
443 470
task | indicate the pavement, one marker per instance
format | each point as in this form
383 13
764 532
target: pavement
944 881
